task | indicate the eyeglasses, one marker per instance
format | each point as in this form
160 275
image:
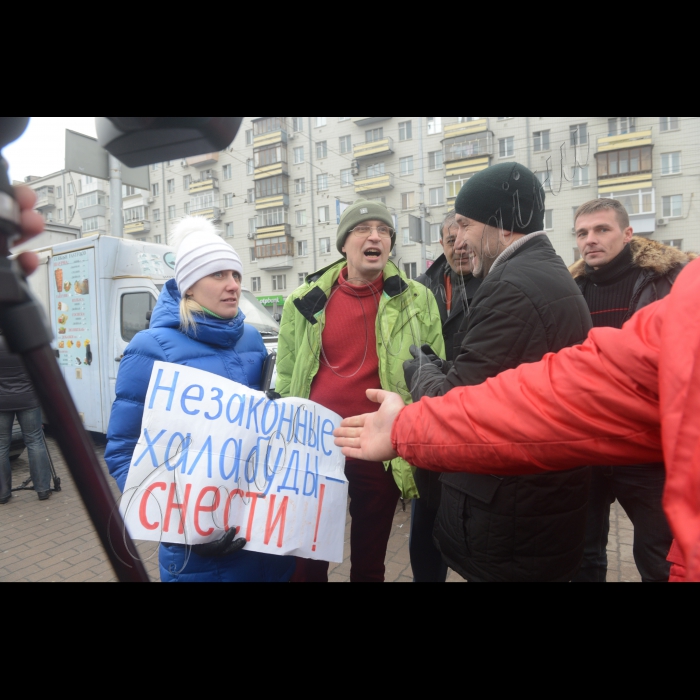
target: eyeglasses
366 231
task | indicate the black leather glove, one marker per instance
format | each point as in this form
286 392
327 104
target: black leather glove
424 375
226 546
272 395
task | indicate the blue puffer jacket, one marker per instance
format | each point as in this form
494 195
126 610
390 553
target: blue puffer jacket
228 349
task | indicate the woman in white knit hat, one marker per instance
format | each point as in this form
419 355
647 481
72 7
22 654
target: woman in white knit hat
196 323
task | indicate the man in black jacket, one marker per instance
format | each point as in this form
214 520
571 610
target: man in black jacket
514 528
619 275
451 281
17 398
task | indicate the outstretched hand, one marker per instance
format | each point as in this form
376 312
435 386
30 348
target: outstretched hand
32 225
368 438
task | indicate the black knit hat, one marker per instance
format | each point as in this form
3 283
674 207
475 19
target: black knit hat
507 196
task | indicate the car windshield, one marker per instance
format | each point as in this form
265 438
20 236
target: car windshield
258 316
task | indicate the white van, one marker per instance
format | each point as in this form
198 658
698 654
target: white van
98 293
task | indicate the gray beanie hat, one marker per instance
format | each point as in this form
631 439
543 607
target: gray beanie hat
363 210
507 194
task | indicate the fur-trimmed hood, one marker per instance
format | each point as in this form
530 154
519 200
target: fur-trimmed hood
647 255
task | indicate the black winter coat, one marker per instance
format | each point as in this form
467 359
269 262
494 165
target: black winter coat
16 392
515 528
453 330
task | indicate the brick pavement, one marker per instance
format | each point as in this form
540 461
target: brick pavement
55 541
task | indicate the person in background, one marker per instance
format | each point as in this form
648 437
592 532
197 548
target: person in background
349 329
196 323
17 398
619 275
451 281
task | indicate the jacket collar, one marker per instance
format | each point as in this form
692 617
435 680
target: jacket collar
313 301
221 333
651 256
512 250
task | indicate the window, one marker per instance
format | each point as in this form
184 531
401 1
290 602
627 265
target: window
325 244
345 144
434 125
302 248
135 310
506 147
186 182
155 188
411 270
541 141
671 163
437 196
299 155
405 131
406 165
279 283
171 186
302 278
579 176
669 123
228 230
408 200
172 212
617 126
322 150
301 217
436 160
324 215
322 182
624 162
228 200
435 233
346 178
579 135
549 220
373 135
228 172
156 215
673 206
256 284
674 244
300 185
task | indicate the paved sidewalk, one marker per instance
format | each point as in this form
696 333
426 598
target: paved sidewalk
55 541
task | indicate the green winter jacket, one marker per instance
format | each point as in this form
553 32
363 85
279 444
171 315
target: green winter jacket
408 315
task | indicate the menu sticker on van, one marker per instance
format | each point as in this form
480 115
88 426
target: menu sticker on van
73 317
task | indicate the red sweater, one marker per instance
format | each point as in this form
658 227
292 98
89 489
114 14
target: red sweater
349 361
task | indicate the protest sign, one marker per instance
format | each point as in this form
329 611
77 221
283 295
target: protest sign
215 455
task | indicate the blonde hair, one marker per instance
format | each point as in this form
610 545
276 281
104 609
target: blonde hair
189 309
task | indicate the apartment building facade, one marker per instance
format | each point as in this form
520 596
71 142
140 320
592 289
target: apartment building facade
278 192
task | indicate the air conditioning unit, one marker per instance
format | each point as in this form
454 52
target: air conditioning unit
291 137
184 164
251 236
151 200
662 222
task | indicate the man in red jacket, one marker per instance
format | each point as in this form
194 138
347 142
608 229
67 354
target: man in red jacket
630 395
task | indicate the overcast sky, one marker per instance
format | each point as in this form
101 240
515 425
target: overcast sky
41 151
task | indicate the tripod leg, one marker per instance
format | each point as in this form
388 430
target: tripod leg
54 475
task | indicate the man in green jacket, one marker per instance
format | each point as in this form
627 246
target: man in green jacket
348 329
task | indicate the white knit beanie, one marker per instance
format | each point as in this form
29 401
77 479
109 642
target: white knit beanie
201 252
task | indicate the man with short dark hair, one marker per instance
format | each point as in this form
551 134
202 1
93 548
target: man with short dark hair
618 275
450 279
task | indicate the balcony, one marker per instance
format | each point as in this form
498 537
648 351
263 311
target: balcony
276 230
383 147
272 202
635 139
210 213
366 121
137 228
271 170
45 199
270 139
452 131
374 184
274 252
205 159
205 184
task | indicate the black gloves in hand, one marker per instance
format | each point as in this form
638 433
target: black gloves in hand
425 373
272 395
226 546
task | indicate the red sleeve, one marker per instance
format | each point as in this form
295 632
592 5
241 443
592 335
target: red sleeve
592 404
